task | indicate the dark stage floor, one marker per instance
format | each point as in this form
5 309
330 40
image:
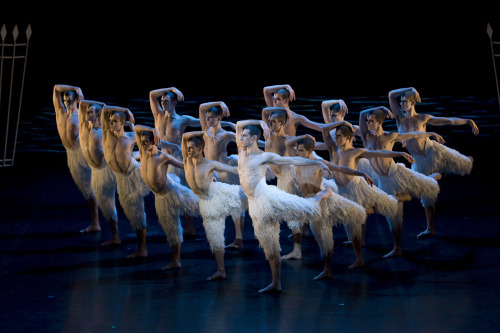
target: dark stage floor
57 280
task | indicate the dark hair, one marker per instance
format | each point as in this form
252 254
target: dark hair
98 107
335 107
217 110
345 130
121 114
253 130
411 96
70 93
198 141
308 143
284 92
379 115
149 135
280 114
172 95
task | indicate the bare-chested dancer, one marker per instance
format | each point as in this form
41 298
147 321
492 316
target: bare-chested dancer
335 209
431 157
171 125
268 205
65 99
172 199
216 141
343 153
118 146
103 180
277 118
217 199
395 178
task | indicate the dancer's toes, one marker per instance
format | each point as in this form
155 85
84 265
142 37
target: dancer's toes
426 233
295 254
90 229
217 276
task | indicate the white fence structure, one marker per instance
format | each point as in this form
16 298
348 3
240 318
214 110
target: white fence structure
489 31
13 58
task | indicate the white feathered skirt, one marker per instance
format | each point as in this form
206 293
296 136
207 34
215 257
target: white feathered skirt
103 183
442 159
174 200
269 207
287 181
334 210
223 200
80 170
131 192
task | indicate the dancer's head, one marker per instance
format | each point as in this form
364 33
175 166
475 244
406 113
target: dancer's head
195 146
375 119
305 147
214 115
147 140
277 119
250 135
281 98
69 99
93 112
336 111
117 120
168 101
343 135
408 100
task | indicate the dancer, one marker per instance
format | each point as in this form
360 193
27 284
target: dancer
276 119
217 199
103 180
216 141
335 209
280 96
65 99
395 178
117 146
431 157
357 189
268 205
172 199
171 125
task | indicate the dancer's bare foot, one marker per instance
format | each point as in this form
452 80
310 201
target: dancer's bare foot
295 254
323 276
112 242
270 289
393 253
356 264
236 245
91 228
426 233
217 276
138 255
436 176
403 197
172 265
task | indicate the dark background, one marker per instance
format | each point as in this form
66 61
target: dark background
219 51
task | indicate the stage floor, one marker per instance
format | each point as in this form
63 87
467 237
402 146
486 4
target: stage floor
55 279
